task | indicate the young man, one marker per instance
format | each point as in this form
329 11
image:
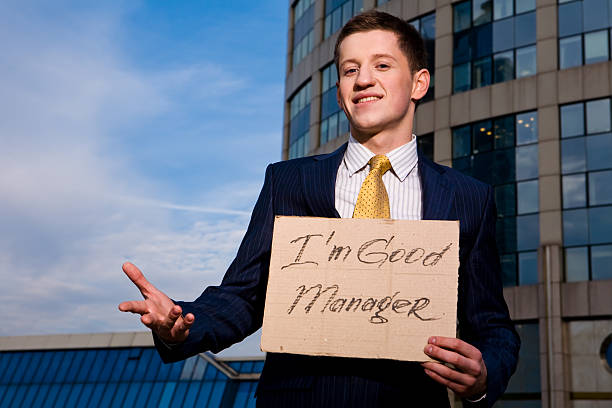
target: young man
382 74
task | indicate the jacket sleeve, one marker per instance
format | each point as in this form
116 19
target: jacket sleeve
227 313
484 318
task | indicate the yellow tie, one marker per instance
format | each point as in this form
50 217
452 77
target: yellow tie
373 201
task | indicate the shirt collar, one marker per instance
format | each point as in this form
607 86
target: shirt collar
403 159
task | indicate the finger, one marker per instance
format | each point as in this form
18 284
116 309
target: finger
138 278
147 320
447 356
173 315
459 389
134 306
450 374
184 324
458 345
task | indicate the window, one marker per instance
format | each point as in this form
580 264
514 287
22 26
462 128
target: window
338 12
524 388
333 119
503 152
586 169
426 26
584 32
299 124
426 144
303 34
494 41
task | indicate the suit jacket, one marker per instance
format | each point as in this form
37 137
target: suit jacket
228 313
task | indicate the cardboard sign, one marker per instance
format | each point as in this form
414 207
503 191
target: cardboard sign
368 288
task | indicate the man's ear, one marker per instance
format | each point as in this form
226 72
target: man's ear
420 84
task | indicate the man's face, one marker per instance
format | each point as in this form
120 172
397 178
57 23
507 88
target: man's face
375 82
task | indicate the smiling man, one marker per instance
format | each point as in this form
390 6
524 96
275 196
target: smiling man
379 173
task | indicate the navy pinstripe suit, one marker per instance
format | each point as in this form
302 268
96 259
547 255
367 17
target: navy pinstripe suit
228 313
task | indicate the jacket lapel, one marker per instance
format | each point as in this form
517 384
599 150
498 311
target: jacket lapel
438 193
319 180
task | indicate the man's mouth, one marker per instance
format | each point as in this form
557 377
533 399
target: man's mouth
368 99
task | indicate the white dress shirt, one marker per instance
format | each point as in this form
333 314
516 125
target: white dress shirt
402 181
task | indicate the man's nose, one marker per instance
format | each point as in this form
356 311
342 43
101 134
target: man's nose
365 78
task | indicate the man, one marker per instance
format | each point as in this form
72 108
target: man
381 69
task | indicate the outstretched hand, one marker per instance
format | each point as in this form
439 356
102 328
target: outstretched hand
468 376
157 311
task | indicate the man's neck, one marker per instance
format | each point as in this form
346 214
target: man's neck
383 142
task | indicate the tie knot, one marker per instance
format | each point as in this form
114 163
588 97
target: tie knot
380 163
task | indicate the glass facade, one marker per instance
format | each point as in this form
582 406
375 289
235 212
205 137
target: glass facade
584 32
338 12
119 377
425 143
303 33
299 126
333 120
494 41
524 388
503 152
426 25
586 148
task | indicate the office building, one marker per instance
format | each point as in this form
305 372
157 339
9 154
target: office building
520 99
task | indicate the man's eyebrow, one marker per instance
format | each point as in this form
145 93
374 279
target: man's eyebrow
375 56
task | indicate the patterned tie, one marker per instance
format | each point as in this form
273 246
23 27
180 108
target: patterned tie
373 201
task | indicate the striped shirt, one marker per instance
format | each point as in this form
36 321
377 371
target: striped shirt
402 181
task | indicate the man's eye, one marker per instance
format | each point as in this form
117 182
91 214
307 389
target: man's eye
350 71
383 66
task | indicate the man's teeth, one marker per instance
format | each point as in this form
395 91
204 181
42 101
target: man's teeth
368 99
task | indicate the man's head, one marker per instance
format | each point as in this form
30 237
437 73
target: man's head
381 74
408 38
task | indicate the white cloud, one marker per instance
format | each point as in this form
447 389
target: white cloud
71 210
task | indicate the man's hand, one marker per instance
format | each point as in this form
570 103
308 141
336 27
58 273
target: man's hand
157 311
468 378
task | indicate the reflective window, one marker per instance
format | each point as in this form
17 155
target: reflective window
570 52
462 16
594 14
573 155
598 116
333 120
598 148
526 128
600 187
587 195
426 144
426 25
481 11
503 66
481 74
525 61
488 50
503 8
596 47
503 152
574 191
572 120
601 259
299 126
303 33
576 264
338 12
528 197
526 379
461 77
584 32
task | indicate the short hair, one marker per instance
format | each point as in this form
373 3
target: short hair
408 38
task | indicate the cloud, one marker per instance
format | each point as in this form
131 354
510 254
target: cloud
73 205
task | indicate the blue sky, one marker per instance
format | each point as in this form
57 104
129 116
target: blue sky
132 131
